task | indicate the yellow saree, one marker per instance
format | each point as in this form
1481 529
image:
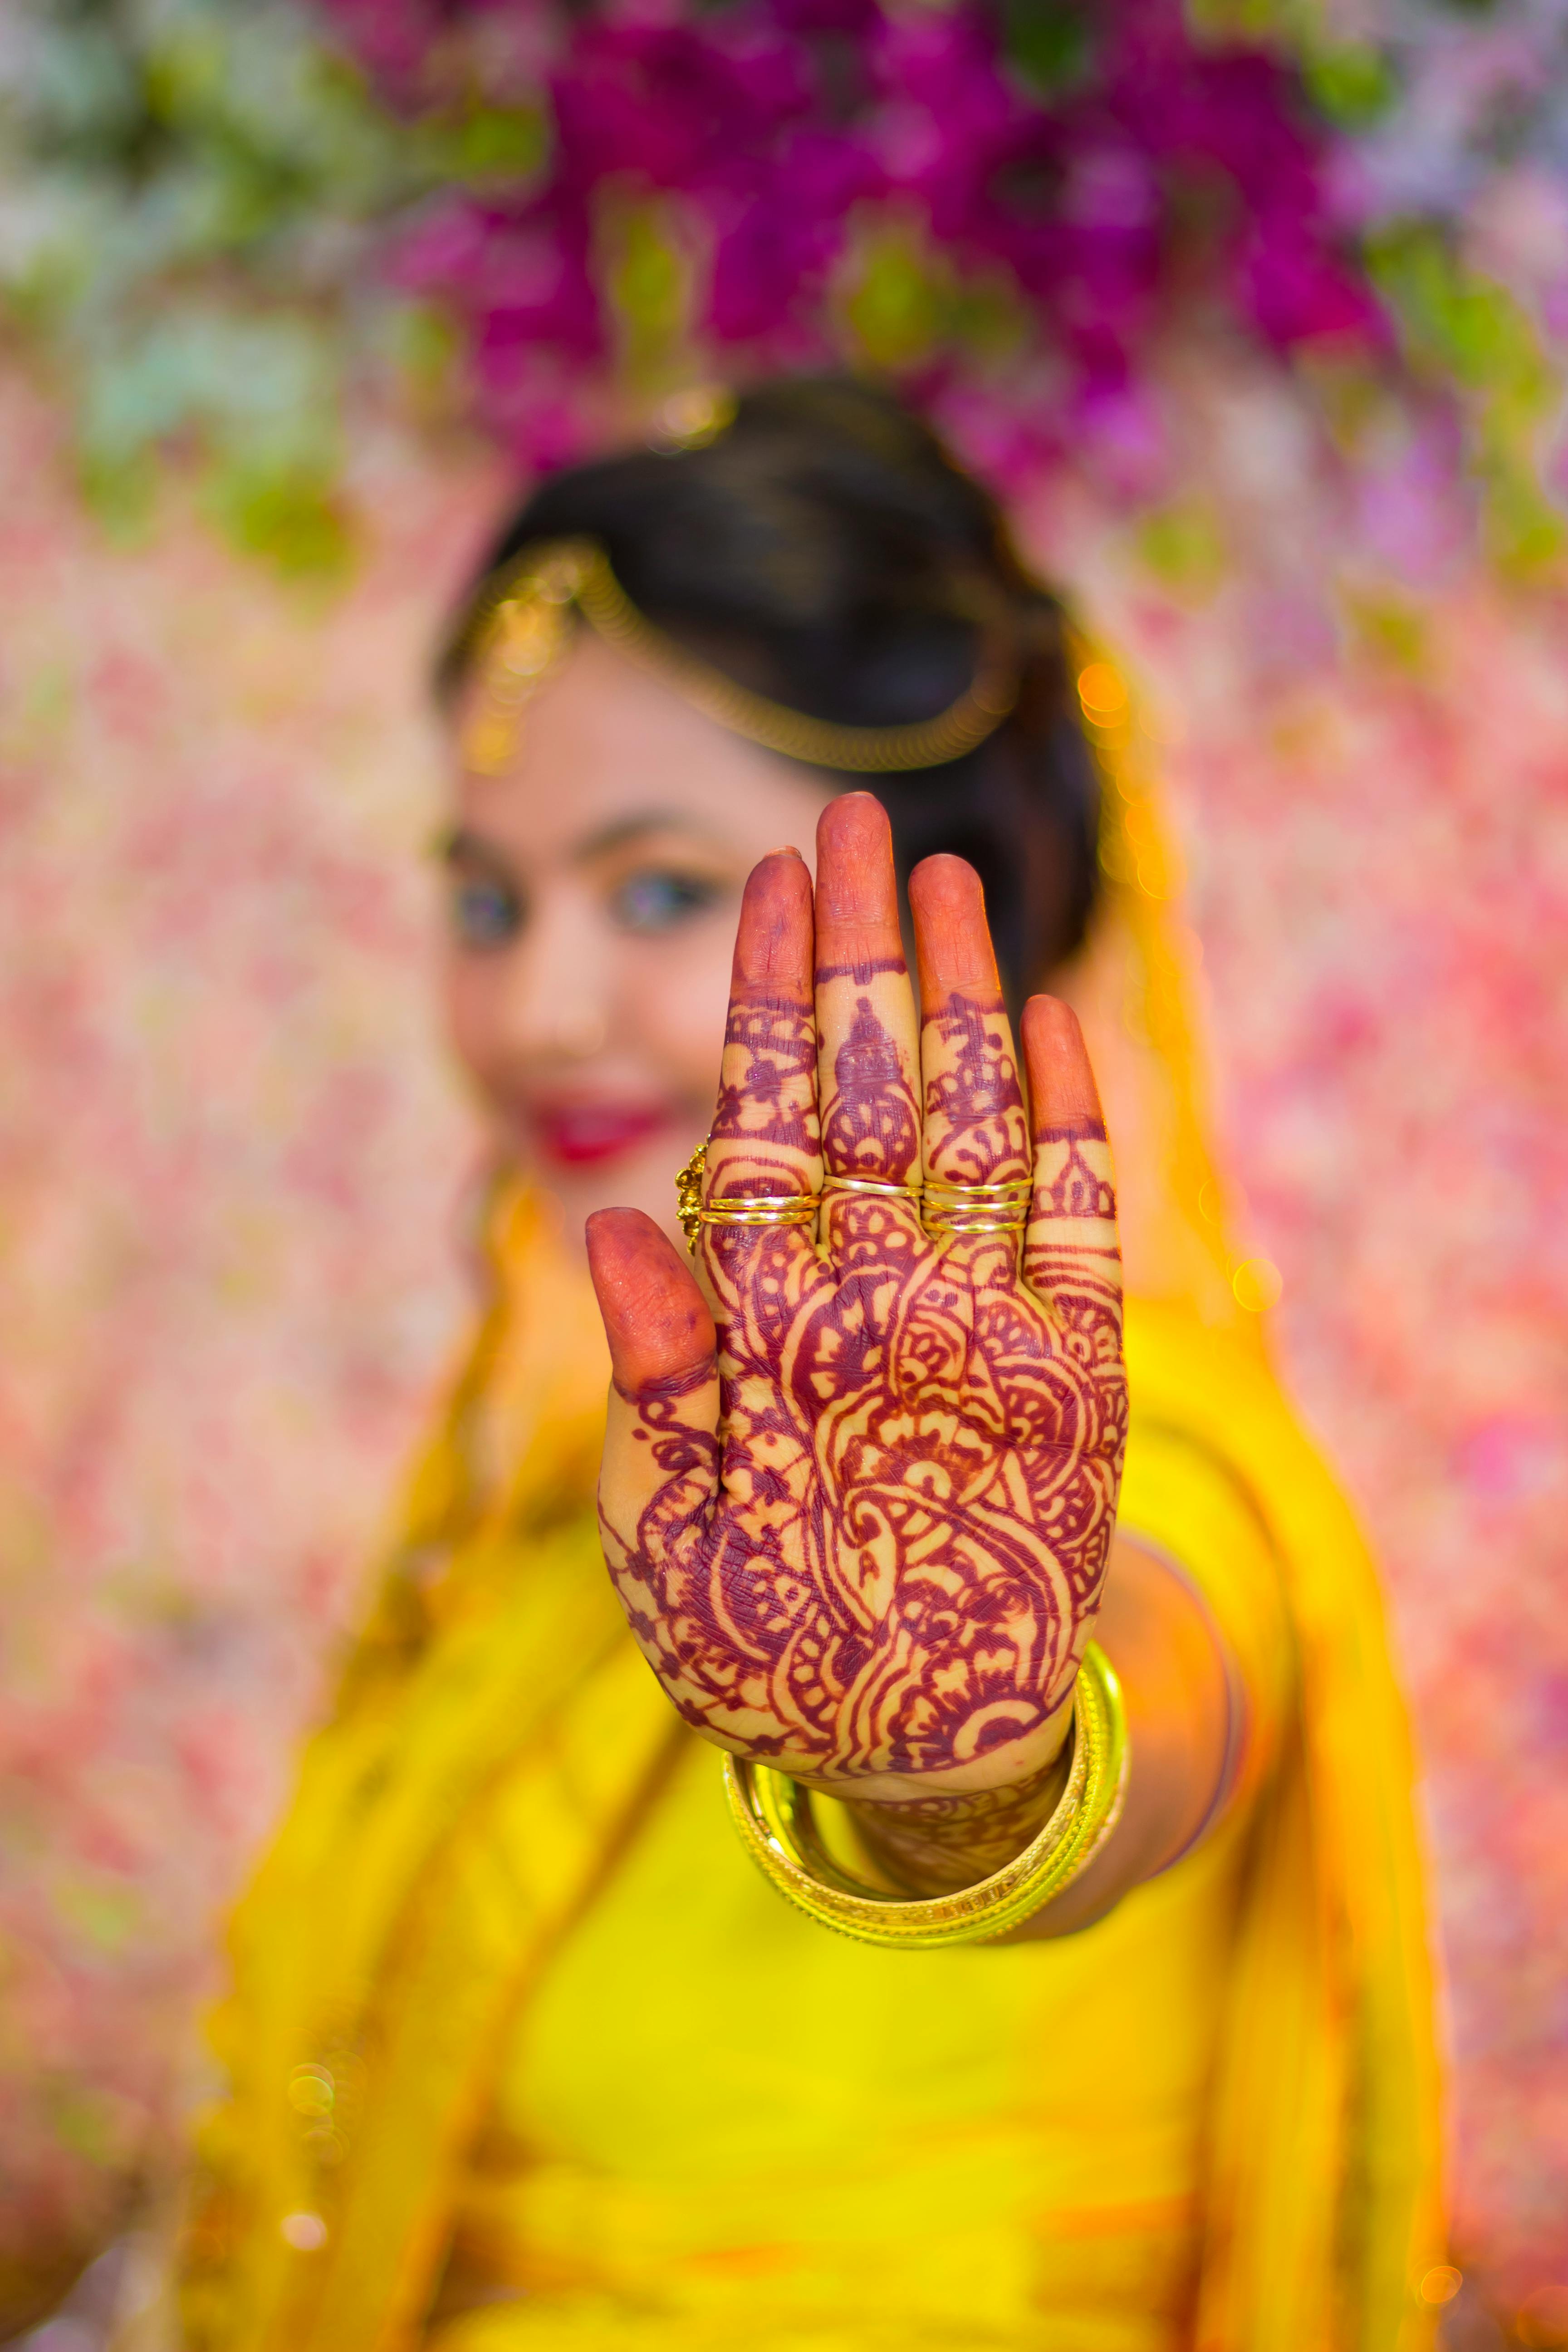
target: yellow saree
520 2055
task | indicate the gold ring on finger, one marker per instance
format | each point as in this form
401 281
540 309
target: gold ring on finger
889 1188
977 1208
754 1209
761 1209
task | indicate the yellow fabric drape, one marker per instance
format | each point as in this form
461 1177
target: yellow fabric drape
1297 2188
718 2124
1323 2206
429 1868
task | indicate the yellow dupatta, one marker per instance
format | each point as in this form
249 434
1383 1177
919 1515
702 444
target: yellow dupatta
428 1870
380 1953
1324 2208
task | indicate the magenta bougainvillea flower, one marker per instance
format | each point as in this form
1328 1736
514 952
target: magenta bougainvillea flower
1089 193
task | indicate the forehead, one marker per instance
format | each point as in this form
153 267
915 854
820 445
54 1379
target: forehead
603 746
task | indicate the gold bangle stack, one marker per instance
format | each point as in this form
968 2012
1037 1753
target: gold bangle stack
772 1814
943 1208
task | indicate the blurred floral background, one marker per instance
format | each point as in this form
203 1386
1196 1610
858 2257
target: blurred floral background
1258 315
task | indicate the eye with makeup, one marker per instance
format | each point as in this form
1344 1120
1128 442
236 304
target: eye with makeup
486 910
655 898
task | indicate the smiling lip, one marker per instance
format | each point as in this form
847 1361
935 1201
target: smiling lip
582 1135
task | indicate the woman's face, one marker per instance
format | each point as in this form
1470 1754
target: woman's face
594 886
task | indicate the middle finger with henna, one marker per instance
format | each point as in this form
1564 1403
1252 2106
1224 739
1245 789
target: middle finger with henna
869 1049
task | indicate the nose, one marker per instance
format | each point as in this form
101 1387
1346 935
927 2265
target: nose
557 1007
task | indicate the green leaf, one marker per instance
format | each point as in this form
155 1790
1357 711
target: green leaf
1183 546
1048 41
1353 85
295 521
1463 327
489 144
1391 628
894 304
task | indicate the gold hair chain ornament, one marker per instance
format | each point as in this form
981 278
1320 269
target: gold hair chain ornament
774 1816
522 626
519 639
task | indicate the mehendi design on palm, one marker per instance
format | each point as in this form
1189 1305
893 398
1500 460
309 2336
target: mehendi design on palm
887 1561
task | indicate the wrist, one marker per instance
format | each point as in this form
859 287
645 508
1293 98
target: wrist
782 1829
936 1844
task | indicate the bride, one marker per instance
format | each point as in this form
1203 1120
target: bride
953 1882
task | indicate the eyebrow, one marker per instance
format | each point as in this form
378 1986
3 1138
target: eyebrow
455 841
627 830
461 842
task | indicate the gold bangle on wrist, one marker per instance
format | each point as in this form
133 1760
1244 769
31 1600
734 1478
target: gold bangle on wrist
774 1816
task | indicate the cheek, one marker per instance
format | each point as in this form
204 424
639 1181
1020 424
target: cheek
674 995
473 991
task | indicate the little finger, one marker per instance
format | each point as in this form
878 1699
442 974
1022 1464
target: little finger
1071 1253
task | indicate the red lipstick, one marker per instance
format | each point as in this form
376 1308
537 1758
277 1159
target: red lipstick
584 1134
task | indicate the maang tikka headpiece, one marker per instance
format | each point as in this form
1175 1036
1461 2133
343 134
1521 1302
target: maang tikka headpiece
521 628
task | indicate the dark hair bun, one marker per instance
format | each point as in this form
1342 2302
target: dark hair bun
825 550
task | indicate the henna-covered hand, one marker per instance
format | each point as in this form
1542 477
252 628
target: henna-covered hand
860 1527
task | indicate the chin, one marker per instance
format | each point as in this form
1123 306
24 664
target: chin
641 1179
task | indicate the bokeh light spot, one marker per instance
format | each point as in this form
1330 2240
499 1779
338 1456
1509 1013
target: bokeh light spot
1257 1284
1101 692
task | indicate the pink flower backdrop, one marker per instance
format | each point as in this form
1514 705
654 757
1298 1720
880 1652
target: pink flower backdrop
229 1161
1261 337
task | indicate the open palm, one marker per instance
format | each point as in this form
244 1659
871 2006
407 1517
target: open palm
862 1536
